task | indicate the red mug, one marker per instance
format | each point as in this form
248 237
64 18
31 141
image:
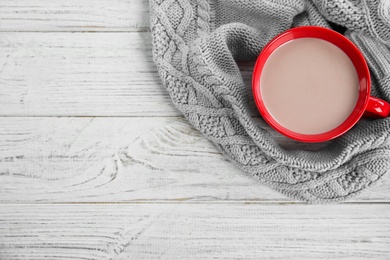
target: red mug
366 105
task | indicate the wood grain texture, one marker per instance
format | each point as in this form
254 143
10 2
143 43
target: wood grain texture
98 74
113 183
74 15
124 159
194 231
83 74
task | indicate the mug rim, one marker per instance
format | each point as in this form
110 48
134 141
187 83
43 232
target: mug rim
343 43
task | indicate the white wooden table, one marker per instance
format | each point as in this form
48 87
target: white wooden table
96 163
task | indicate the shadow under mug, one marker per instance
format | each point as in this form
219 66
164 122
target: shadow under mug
366 105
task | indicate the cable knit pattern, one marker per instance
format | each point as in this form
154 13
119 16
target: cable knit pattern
196 44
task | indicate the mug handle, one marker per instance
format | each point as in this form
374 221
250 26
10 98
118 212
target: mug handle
377 108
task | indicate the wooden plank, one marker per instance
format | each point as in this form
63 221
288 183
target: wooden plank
74 15
124 159
83 74
194 231
98 74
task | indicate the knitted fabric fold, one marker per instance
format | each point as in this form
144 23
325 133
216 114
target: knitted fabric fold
196 44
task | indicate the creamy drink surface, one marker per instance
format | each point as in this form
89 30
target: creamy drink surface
309 86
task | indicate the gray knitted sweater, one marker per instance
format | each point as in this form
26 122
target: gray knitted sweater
196 44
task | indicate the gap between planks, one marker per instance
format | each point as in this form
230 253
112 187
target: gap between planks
88 30
204 202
